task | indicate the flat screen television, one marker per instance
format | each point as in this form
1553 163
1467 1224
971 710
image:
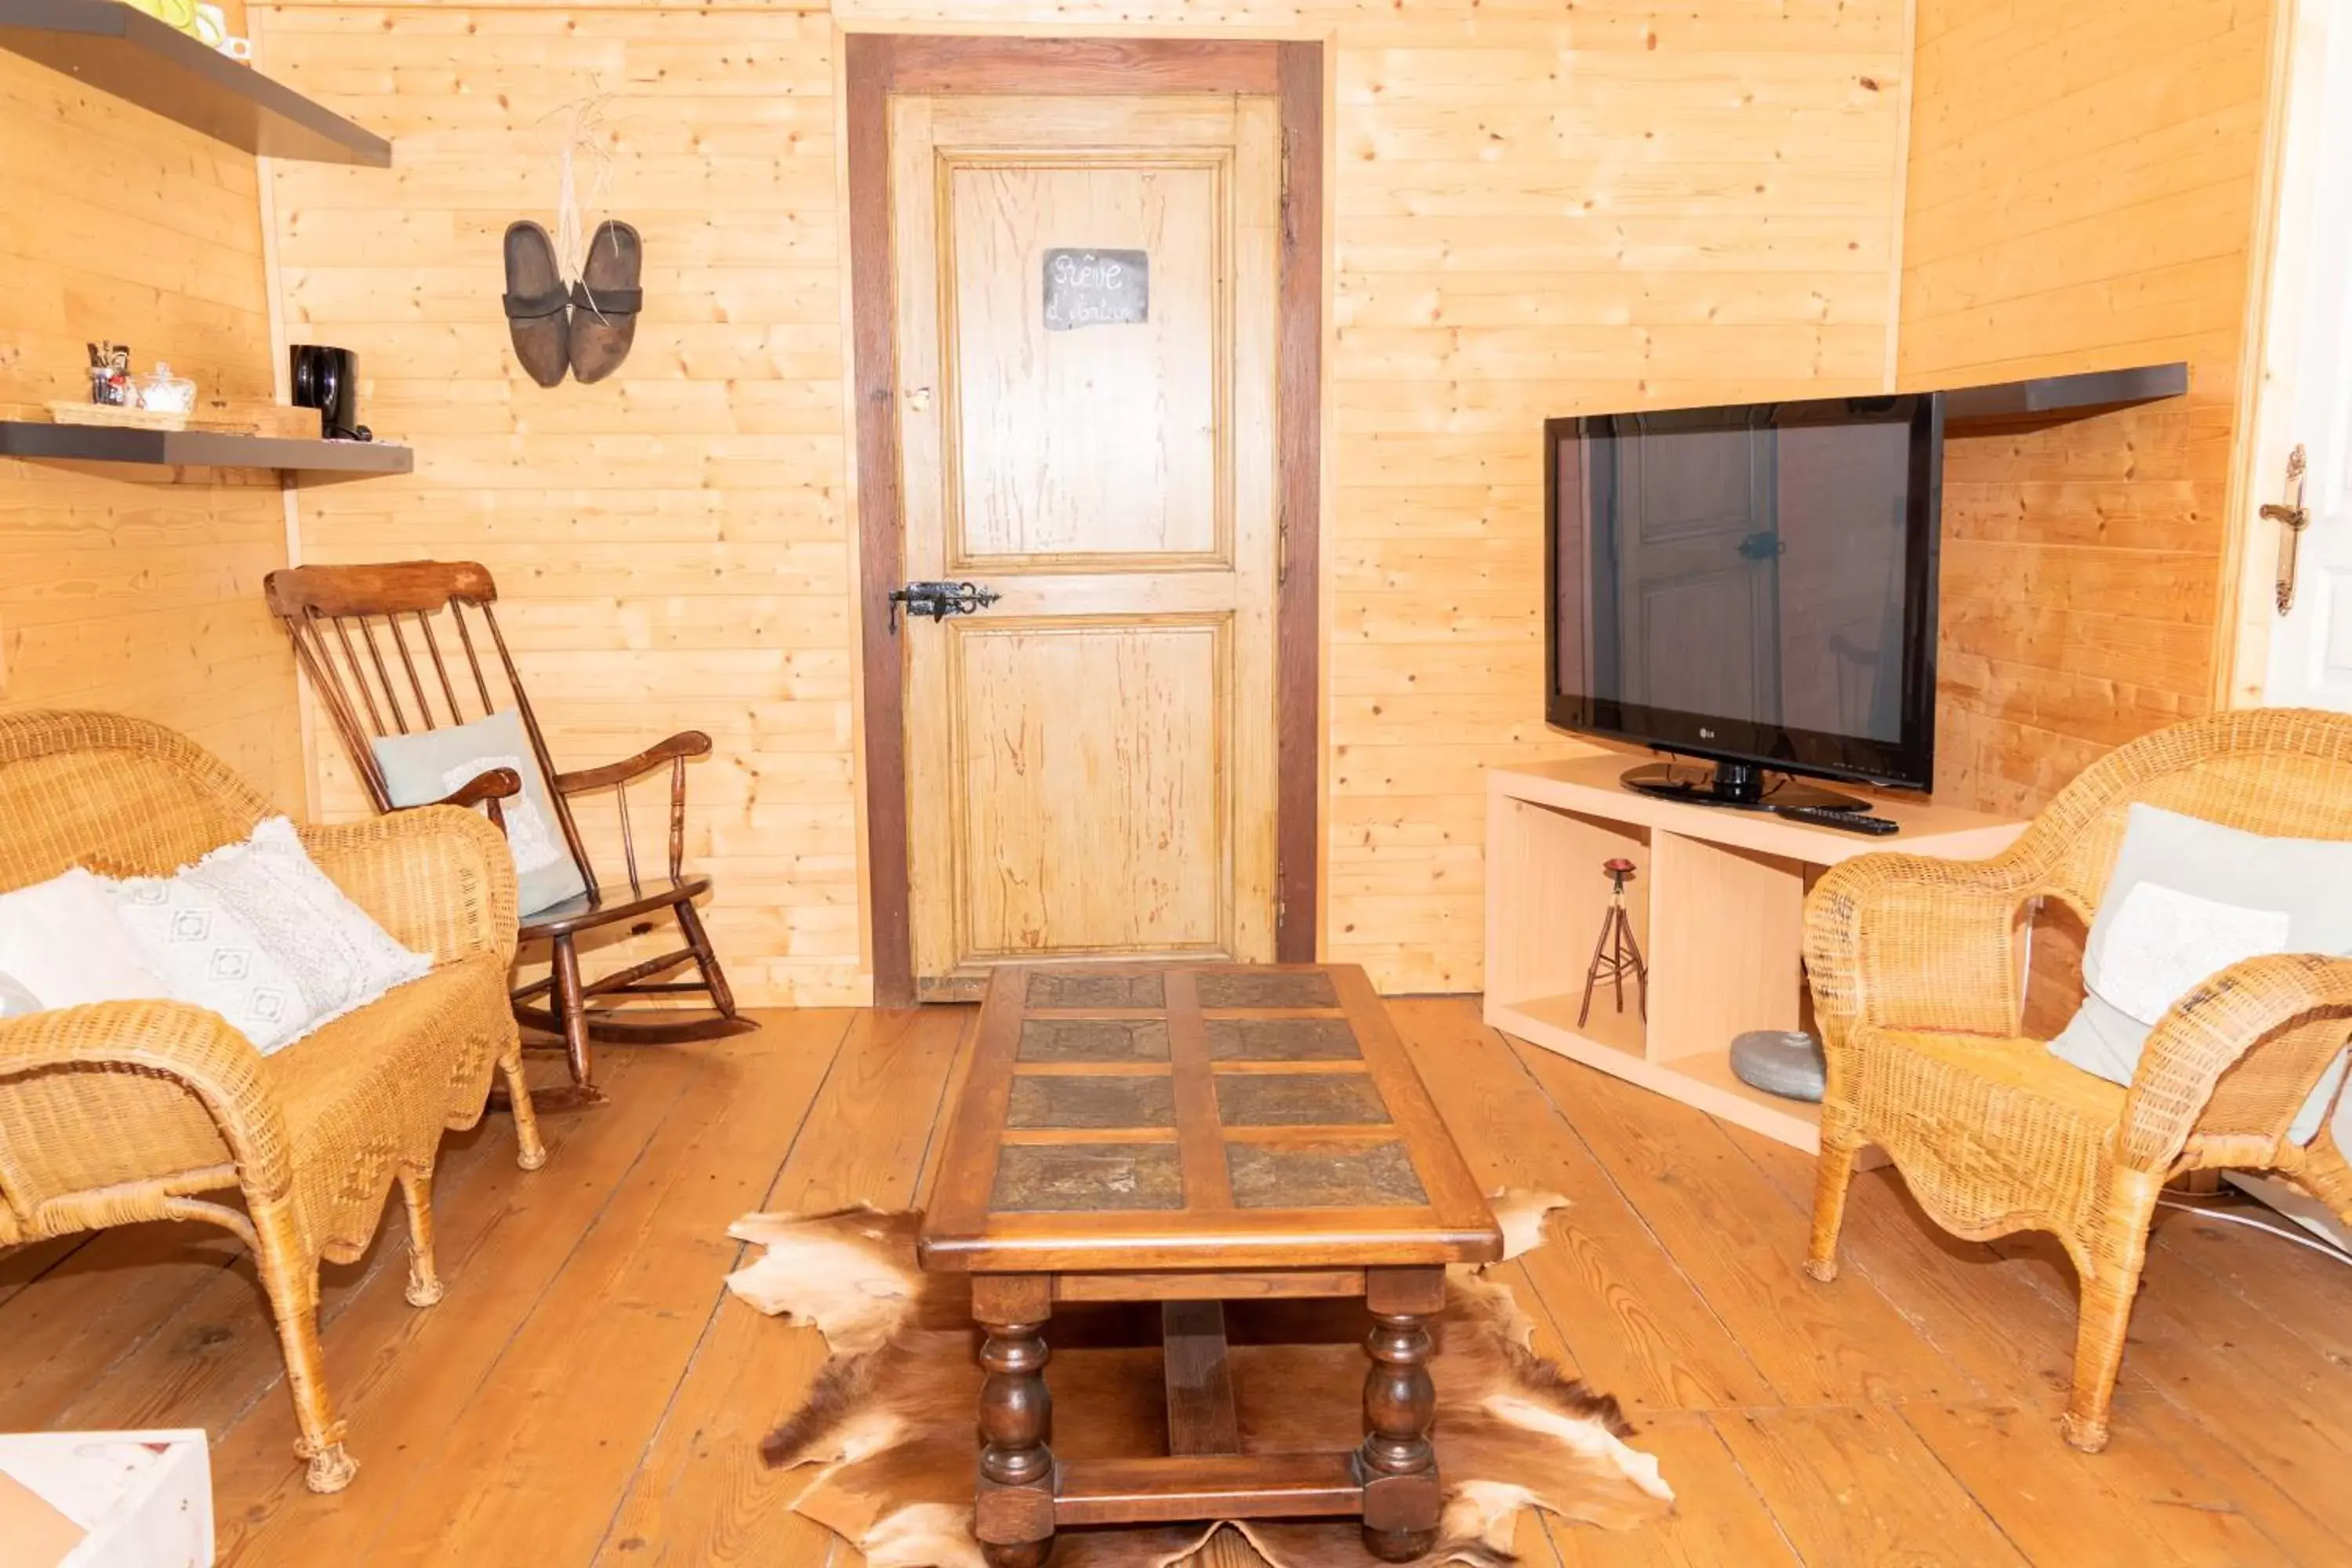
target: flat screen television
1751 586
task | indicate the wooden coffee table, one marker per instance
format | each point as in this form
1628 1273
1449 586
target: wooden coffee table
1186 1135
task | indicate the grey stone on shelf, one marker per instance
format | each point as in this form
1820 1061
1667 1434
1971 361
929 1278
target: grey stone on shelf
1780 1061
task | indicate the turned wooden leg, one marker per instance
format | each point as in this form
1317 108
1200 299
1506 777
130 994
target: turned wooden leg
1400 1468
1013 1513
571 1008
706 959
424 1278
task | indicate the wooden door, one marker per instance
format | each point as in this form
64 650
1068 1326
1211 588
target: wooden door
1087 314
2299 584
1698 568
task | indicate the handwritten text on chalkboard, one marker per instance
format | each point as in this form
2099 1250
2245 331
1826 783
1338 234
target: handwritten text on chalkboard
1095 288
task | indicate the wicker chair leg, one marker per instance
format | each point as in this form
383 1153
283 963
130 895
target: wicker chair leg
706 959
530 1154
2107 1294
423 1277
1832 1176
291 1282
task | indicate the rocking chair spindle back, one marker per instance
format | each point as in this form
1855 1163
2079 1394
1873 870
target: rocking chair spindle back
378 645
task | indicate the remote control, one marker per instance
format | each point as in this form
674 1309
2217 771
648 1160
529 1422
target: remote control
1852 821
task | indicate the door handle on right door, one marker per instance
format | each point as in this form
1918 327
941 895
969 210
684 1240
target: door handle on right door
2296 517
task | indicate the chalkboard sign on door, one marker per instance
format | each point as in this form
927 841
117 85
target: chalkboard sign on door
1095 288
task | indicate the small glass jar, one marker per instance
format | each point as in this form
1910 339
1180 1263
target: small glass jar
164 393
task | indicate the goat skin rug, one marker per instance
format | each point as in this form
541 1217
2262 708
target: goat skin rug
885 1435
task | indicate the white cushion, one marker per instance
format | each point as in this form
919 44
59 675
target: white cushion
258 933
2187 898
337 953
422 768
63 943
211 958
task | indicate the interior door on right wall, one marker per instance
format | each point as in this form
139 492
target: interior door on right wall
2307 389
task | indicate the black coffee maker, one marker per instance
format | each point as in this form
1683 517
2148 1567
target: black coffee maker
327 379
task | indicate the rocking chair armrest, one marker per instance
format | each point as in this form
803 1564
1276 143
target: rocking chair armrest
105 1057
494 783
440 878
2291 1010
685 743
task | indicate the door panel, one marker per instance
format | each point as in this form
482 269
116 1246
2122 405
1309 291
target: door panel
1098 440
1090 760
1111 728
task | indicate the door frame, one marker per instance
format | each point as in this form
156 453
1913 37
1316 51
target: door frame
878 64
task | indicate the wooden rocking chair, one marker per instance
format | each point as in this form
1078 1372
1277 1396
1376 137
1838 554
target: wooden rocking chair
360 633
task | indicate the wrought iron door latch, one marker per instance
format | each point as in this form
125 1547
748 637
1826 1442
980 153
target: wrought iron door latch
2296 517
940 600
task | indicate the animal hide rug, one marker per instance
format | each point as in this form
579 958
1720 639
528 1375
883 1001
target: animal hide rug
885 1434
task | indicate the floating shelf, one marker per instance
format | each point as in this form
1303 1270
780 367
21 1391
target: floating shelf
200 449
140 60
2061 397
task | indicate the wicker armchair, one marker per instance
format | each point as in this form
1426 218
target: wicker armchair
127 1110
1917 988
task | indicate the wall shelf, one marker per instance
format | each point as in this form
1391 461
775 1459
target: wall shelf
2060 396
200 449
139 59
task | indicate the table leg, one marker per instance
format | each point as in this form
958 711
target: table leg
1402 1499
1013 1513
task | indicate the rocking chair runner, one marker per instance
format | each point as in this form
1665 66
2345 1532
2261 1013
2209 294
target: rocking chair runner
364 633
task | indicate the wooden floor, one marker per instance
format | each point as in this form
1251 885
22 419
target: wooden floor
586 1394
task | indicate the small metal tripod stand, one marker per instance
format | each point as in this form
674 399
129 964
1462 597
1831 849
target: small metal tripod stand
1616 954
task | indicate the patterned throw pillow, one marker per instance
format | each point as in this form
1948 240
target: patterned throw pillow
337 953
422 768
258 933
209 957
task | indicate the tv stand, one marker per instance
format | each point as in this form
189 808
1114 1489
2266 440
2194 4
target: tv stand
1740 786
1717 902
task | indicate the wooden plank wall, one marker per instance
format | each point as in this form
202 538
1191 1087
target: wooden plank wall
2082 193
121 588
1537 209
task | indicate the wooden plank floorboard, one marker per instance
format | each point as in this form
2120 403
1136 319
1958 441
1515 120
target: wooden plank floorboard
1988 1315
569 1408
1854 1484
403 1377
699 1493
1635 1324
1741 1244
588 1392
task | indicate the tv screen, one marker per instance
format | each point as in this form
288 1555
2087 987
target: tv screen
1753 583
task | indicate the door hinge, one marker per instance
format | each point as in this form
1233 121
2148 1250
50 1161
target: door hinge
1282 547
1281 880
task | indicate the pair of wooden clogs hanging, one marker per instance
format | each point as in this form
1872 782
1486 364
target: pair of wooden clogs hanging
584 329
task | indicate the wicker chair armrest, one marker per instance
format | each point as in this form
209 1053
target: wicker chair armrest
2295 1006
189 1045
438 877
685 743
1907 941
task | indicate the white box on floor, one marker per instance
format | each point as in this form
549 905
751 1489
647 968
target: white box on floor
107 1499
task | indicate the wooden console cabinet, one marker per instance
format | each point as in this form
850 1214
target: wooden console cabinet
1717 901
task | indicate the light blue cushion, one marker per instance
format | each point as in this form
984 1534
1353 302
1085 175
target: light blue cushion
423 768
2308 879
